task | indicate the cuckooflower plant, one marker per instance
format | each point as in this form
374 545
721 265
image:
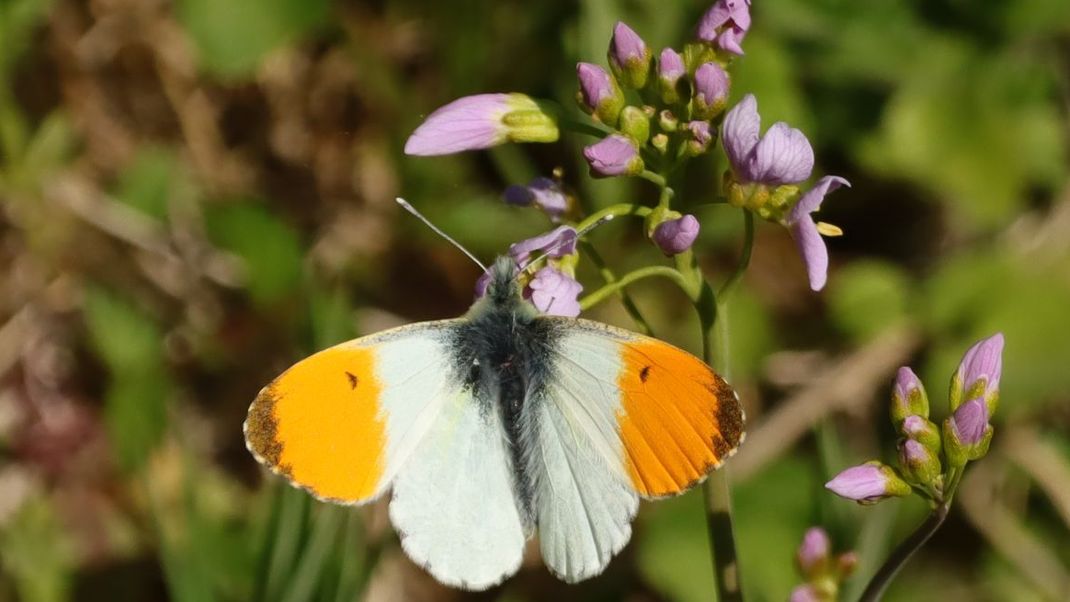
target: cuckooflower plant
649 116
930 461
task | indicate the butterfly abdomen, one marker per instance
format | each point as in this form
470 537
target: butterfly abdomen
502 356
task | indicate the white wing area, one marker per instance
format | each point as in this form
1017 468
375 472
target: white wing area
415 371
585 505
453 503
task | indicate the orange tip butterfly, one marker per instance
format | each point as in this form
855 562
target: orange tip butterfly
495 426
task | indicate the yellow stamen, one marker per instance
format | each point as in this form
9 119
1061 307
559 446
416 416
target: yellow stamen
828 229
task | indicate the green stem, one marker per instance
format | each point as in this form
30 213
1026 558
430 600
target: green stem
618 210
718 495
713 313
744 256
589 128
902 553
656 179
625 298
656 270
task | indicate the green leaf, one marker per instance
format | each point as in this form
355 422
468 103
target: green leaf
269 246
979 130
37 556
130 345
148 182
234 36
125 338
868 297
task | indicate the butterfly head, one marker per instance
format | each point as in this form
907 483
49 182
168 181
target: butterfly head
504 285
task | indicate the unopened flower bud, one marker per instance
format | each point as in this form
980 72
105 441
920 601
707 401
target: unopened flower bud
544 193
599 93
635 124
806 593
700 137
614 155
482 121
629 58
675 236
908 396
846 564
814 551
671 71
710 95
918 463
922 431
660 142
667 121
967 433
868 483
978 374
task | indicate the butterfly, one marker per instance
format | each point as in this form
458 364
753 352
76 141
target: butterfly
496 425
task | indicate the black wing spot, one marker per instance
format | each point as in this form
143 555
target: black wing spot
353 380
644 373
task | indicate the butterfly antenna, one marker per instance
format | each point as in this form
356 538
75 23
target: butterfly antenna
408 207
579 234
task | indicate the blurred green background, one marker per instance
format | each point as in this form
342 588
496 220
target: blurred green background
194 194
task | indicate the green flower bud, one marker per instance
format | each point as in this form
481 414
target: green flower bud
635 124
918 463
668 122
908 396
660 142
921 430
528 121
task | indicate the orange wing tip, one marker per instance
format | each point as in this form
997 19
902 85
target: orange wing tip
680 421
261 431
318 425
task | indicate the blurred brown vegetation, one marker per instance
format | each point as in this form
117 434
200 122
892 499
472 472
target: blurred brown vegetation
197 193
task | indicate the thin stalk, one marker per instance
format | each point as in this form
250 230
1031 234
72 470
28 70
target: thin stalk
718 496
618 210
648 272
713 313
625 299
902 553
589 128
744 256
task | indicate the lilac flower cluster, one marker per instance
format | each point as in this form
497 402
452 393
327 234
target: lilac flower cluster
822 571
931 459
657 110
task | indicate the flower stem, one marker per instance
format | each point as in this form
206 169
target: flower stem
744 257
718 496
903 553
610 278
618 210
656 270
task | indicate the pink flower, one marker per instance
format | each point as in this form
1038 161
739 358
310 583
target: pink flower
814 550
676 235
867 483
726 23
782 156
482 121
554 292
614 155
807 233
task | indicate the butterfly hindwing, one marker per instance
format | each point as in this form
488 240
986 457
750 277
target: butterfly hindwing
454 504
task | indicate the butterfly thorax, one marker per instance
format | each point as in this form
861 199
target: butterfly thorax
502 354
